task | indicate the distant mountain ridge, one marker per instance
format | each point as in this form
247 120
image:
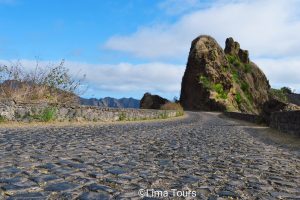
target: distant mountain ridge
111 102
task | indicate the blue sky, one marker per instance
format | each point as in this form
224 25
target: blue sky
128 47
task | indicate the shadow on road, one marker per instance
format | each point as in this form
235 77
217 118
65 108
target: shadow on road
267 135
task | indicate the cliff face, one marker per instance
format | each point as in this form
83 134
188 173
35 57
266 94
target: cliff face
217 79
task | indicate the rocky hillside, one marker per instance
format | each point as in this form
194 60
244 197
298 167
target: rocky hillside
217 79
111 102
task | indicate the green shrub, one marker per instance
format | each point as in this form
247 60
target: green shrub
219 89
231 59
237 63
279 94
238 98
122 116
48 114
234 60
2 119
204 81
286 90
245 86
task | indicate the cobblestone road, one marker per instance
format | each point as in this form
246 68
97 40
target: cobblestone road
215 157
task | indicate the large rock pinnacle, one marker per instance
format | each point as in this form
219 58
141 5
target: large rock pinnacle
217 79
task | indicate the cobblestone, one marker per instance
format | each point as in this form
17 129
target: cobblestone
213 156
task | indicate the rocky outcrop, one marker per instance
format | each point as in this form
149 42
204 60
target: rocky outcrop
150 101
217 79
233 48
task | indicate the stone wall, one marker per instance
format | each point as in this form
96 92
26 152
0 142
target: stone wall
38 112
286 121
243 116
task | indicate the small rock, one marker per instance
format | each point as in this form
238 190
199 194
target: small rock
64 186
93 196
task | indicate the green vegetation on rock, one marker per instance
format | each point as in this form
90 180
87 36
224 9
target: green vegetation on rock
230 76
235 76
48 114
235 62
238 98
218 87
247 68
245 86
220 90
205 81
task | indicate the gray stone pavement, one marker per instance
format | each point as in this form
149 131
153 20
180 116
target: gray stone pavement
211 156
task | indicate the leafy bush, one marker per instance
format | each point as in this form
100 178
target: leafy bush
279 94
238 98
204 81
219 89
286 90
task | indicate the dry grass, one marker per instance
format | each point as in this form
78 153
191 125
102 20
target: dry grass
171 106
51 84
32 93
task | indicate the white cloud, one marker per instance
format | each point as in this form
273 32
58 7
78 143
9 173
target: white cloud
282 72
123 77
153 77
266 28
